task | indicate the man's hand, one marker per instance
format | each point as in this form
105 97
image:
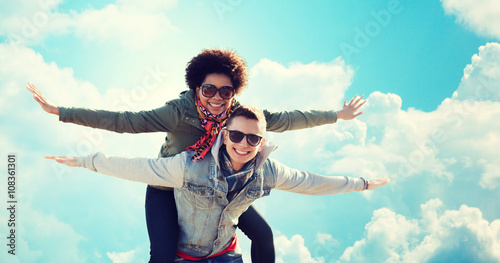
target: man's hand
67 160
46 104
348 112
378 182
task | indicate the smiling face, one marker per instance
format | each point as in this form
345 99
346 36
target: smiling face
216 104
240 153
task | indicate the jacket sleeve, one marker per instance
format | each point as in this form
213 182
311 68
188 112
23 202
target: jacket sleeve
293 180
295 120
163 119
161 171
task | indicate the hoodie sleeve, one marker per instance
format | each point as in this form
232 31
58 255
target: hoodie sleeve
293 180
161 171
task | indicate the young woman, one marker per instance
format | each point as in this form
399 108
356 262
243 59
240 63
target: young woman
192 122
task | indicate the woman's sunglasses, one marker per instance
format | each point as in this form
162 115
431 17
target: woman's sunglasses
209 90
237 136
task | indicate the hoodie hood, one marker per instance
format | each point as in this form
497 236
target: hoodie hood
262 156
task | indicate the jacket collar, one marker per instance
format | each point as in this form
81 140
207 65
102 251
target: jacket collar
261 156
187 97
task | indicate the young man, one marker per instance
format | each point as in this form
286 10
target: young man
212 193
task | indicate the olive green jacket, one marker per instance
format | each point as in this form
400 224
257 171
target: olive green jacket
179 119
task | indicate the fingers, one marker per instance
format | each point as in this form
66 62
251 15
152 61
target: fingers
359 113
357 101
30 89
359 106
354 101
55 158
35 91
59 159
378 182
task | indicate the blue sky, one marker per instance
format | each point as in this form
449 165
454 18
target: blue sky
430 71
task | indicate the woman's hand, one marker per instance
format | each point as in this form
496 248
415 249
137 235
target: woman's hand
46 104
378 182
348 112
67 160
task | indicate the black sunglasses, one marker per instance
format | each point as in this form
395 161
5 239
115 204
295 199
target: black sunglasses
209 90
237 136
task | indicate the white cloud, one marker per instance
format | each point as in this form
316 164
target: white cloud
481 80
124 22
29 21
26 65
469 130
293 250
132 24
462 234
387 140
304 86
481 17
316 86
61 87
121 257
42 237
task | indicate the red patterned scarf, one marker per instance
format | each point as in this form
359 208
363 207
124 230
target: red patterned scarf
212 125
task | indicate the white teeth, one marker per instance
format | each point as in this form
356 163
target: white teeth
216 105
240 152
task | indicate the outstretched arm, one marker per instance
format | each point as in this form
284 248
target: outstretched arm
295 120
293 180
162 171
163 119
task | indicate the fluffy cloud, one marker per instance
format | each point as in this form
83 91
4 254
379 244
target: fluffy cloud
304 86
132 24
29 131
481 17
29 21
293 250
481 80
42 237
124 22
121 257
387 140
61 87
462 234
24 64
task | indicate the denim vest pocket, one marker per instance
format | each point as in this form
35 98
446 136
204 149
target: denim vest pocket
202 195
257 193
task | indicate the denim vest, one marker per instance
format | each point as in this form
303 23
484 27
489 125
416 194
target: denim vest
207 221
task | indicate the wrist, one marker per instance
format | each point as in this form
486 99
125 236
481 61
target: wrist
340 114
365 183
55 111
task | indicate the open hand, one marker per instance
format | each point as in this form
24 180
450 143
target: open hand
348 112
378 182
46 104
67 160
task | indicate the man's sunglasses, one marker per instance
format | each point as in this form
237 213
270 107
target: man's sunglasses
237 136
209 90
